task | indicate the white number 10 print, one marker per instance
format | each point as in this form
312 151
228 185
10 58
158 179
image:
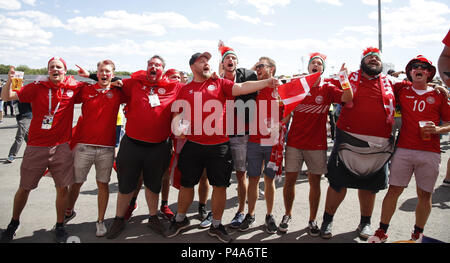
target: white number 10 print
419 106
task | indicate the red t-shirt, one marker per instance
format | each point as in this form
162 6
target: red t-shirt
37 93
97 125
308 128
266 102
446 40
429 106
207 126
144 122
367 116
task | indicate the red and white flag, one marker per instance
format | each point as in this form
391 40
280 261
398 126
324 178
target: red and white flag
293 92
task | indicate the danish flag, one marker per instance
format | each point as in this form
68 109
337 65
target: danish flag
293 92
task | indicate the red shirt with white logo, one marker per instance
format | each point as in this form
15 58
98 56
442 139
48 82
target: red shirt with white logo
207 101
37 93
367 116
418 105
265 120
308 128
146 122
97 125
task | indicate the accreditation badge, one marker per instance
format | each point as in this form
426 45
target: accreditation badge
154 100
47 122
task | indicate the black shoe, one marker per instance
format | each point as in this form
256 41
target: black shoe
117 227
271 227
220 233
247 223
9 233
60 234
176 227
325 230
67 218
202 214
155 225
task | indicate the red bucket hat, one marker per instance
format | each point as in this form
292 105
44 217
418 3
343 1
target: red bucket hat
423 59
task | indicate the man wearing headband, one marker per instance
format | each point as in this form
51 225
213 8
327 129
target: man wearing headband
363 143
307 142
48 145
418 149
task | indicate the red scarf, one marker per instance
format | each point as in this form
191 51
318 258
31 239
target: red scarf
276 157
386 91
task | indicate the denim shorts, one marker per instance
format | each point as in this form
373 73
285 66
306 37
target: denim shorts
256 155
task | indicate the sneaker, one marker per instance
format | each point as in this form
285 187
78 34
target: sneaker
261 194
165 212
10 159
176 227
313 229
220 233
67 218
202 214
446 183
60 234
417 237
237 220
271 227
155 225
364 231
284 225
325 230
101 229
247 223
207 221
9 233
117 227
379 237
130 210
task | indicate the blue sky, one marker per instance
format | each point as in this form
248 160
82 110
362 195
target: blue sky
129 32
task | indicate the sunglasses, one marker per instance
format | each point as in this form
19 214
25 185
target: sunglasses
422 66
261 66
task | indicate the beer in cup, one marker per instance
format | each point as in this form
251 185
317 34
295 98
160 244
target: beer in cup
17 80
425 136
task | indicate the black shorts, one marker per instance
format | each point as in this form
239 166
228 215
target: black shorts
136 157
339 176
215 158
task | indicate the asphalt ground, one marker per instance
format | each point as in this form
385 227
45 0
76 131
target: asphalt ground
39 216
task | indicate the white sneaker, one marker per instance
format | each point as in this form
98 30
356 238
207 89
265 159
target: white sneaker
101 229
10 159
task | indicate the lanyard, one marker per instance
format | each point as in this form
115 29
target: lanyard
50 102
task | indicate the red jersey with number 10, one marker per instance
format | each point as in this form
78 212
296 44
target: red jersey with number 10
417 105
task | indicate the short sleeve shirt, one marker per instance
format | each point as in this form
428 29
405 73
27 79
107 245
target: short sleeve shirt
39 95
207 102
421 106
308 127
146 122
99 115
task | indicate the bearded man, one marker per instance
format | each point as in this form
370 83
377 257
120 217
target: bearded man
363 143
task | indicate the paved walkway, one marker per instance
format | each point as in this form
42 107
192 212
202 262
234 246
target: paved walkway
39 215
